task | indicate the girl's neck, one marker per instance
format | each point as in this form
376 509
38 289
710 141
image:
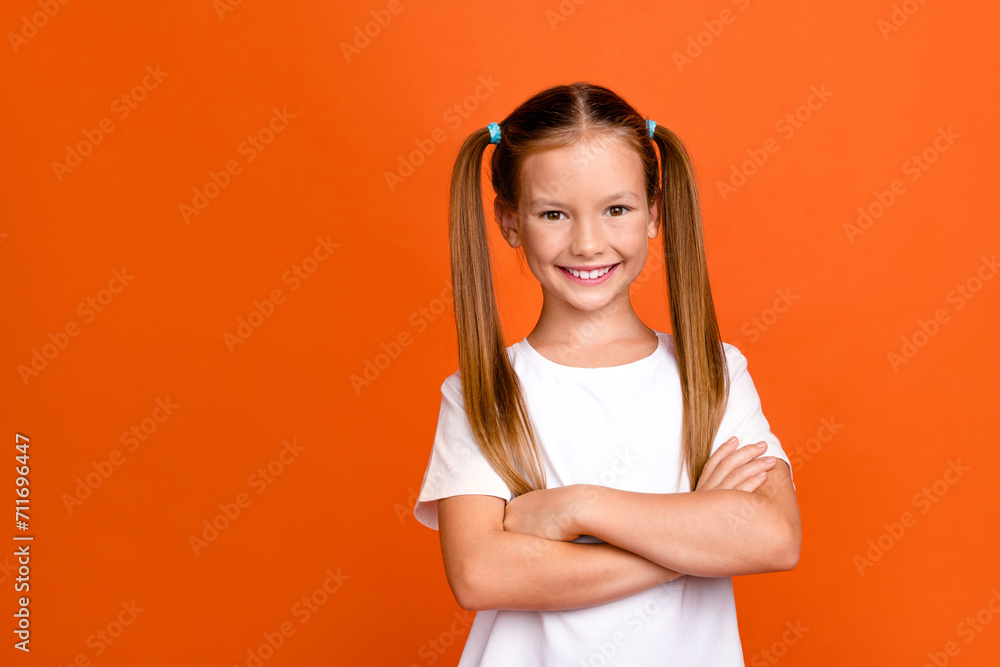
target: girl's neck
611 336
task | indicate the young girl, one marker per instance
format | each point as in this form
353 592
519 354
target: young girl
562 470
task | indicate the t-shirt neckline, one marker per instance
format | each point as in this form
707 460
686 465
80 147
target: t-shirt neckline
638 364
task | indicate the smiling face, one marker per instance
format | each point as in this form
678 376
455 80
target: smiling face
583 224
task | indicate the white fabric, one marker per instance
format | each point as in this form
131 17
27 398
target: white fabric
620 427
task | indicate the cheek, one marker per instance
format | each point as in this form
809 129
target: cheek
634 237
540 245
639 247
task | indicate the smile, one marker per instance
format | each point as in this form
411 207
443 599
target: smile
592 276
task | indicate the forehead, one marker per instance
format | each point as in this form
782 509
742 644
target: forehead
582 170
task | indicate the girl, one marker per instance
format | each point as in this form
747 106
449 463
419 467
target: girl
561 472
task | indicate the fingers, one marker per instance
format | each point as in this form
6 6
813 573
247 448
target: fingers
749 476
727 458
735 467
712 463
754 481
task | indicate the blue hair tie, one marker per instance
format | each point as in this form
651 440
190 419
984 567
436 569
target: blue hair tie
651 124
494 133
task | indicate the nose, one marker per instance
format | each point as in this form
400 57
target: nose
587 237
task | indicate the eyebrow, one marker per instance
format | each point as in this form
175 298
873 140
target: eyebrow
624 194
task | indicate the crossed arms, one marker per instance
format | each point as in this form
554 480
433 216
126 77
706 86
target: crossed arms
519 554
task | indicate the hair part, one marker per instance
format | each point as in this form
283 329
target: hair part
494 400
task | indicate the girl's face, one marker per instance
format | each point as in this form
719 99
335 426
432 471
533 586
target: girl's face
583 207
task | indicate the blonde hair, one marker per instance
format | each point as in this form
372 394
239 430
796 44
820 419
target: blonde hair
494 400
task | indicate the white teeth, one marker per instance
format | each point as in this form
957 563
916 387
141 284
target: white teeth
590 275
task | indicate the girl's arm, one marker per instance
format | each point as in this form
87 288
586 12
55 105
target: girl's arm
715 533
490 568
733 524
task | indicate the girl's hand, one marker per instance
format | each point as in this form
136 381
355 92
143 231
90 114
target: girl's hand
546 513
732 468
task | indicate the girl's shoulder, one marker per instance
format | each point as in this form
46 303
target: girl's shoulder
454 381
520 353
735 359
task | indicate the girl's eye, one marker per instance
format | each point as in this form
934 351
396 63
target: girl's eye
548 215
622 210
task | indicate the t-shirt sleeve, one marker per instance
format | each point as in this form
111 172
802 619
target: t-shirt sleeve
457 465
744 417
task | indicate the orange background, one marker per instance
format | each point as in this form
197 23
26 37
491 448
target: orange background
343 502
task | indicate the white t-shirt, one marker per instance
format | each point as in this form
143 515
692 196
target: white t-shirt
620 427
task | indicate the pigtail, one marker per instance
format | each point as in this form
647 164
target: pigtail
492 392
494 401
701 358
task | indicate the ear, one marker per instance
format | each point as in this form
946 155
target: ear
654 220
508 223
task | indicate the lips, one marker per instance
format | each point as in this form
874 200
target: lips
587 268
589 275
